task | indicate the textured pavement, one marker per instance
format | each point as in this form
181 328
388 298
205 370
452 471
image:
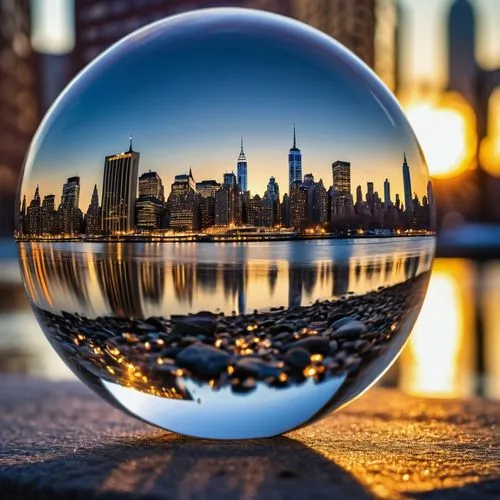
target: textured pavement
59 441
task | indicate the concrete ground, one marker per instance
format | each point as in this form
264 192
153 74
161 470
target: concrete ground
60 441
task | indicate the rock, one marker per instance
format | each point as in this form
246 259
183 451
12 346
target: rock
340 321
194 325
281 327
297 358
334 347
313 344
351 330
204 361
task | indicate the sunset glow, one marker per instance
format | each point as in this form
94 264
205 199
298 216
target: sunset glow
446 132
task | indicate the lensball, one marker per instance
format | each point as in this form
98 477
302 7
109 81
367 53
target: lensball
226 225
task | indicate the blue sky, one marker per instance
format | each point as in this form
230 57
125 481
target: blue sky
187 94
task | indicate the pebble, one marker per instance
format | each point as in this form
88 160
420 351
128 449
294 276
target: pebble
204 361
239 350
313 344
350 330
297 358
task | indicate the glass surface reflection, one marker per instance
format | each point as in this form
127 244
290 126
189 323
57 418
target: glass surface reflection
213 293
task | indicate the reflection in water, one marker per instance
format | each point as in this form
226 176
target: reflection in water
439 358
163 327
154 279
442 364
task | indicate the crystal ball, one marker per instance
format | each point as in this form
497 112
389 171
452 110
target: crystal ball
226 225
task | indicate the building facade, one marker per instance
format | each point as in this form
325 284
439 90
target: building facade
119 189
407 186
182 203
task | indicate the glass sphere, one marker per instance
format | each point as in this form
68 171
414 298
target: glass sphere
226 225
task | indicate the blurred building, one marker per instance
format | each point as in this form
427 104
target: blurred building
19 100
367 27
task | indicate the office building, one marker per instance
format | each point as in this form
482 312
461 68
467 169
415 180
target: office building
182 203
119 191
48 215
407 186
151 186
69 216
387 193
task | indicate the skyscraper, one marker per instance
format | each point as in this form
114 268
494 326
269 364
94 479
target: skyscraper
407 186
241 170
33 214
206 191
68 214
227 202
93 215
462 66
119 189
150 204
294 163
151 186
298 204
48 214
182 203
370 194
341 177
359 196
387 193
273 194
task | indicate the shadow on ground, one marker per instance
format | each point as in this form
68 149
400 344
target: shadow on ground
167 466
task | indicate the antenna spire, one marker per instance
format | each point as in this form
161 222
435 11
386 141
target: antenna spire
130 144
294 138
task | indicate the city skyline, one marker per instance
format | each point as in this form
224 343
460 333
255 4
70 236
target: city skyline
188 108
133 203
406 194
397 186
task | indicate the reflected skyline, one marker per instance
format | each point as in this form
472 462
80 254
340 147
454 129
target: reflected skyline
186 278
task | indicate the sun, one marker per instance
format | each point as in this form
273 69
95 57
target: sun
445 129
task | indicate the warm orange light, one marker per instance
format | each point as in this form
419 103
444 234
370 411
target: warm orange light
438 360
490 147
446 129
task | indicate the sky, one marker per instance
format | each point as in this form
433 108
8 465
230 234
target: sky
187 95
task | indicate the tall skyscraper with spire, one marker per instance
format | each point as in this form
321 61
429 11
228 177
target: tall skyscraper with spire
294 163
33 214
93 215
407 186
241 170
119 188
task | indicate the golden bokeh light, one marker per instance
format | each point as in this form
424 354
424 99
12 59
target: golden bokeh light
489 153
446 129
439 358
